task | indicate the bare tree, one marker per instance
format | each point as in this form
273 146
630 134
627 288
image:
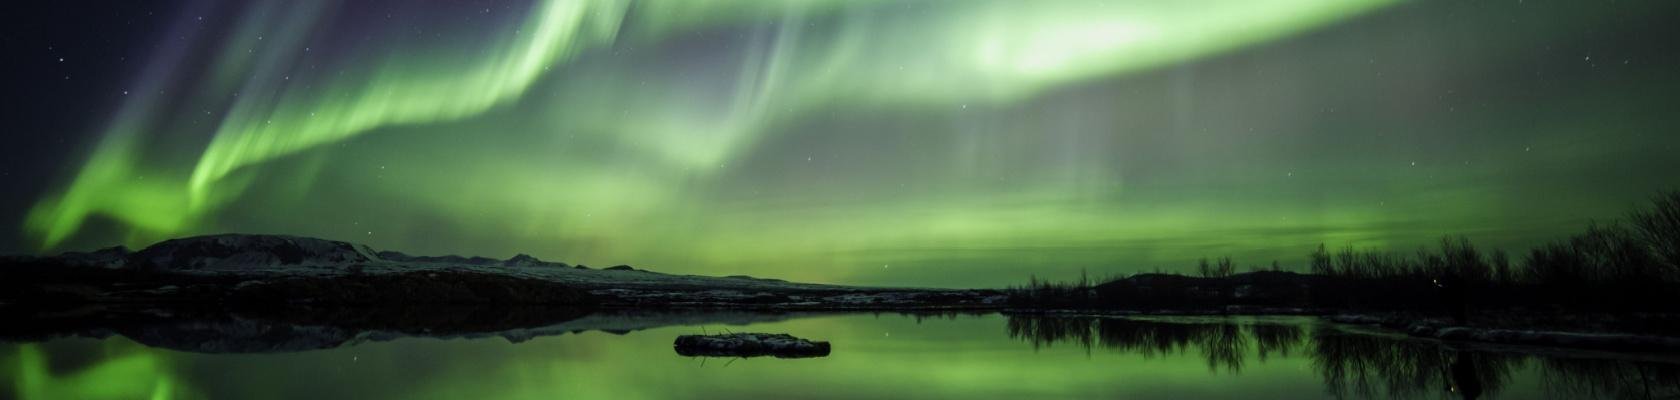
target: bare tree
1659 229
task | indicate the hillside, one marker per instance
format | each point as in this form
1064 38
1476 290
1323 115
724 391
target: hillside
278 269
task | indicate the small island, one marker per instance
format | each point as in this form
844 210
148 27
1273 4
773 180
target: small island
749 345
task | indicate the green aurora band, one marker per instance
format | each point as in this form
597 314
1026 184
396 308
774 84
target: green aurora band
934 143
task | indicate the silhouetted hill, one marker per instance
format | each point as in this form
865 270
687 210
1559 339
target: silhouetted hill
248 251
290 270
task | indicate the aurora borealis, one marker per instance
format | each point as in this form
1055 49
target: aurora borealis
928 143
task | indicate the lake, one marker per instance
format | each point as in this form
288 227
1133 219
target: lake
627 355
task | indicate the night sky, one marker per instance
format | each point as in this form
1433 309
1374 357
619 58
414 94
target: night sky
928 143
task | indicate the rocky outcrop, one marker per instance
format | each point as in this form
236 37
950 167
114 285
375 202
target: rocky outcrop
749 345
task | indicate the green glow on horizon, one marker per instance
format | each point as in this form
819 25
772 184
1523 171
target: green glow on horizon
1062 42
838 141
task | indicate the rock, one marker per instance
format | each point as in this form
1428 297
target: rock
749 345
620 268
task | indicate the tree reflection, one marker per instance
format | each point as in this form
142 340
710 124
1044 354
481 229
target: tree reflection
1275 339
1223 345
1356 365
1371 366
1610 379
1363 365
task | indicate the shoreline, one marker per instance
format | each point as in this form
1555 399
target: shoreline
305 280
488 319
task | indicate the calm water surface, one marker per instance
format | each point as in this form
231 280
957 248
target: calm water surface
875 356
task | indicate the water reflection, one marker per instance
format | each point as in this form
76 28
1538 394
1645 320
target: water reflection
1355 364
1370 365
117 372
510 354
